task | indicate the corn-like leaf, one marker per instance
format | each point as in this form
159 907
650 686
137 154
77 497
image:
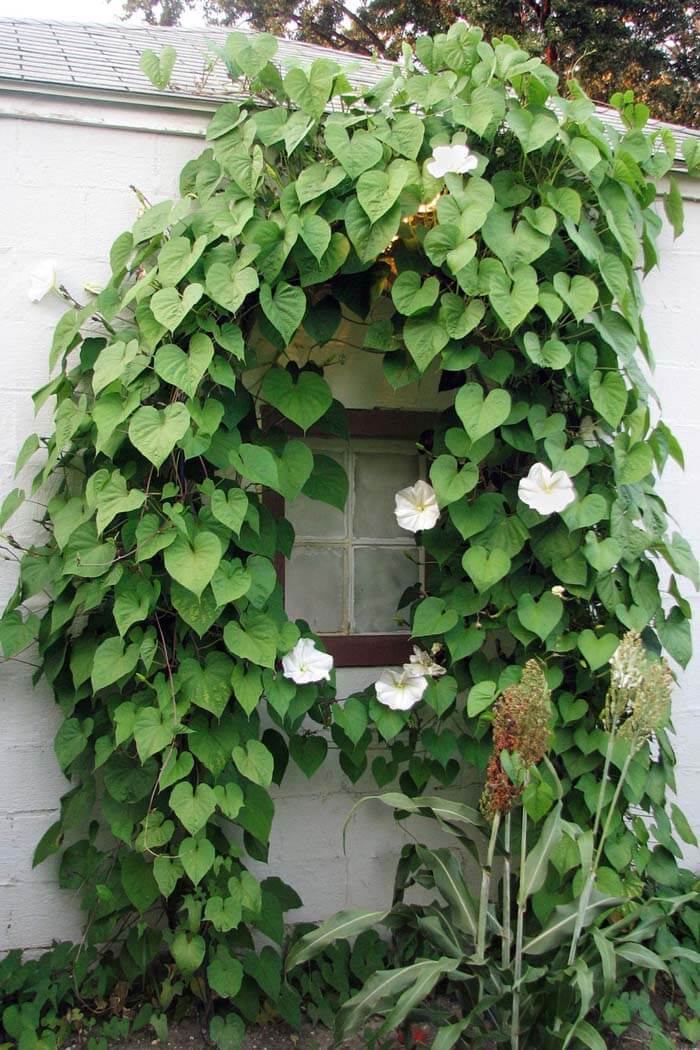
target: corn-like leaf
346 923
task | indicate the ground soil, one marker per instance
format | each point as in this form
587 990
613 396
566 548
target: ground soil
189 1036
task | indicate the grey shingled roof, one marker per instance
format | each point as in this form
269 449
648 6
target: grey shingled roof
105 58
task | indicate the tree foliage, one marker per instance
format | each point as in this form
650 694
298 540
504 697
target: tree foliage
649 46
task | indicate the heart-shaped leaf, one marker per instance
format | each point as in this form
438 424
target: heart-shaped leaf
311 91
480 415
193 808
177 257
485 568
170 308
513 300
254 762
228 287
303 400
112 660
153 731
229 507
377 191
585 512
579 293
432 617
356 154
425 337
516 246
370 239
197 856
597 649
254 638
540 616
308 752
413 297
194 563
451 483
155 432
608 395
284 308
185 370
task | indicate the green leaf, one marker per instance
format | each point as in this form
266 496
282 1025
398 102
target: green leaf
316 235
230 508
356 154
138 882
153 731
158 68
316 180
537 859
254 762
608 395
193 563
378 191
480 415
197 856
254 638
108 495
352 717
112 661
513 297
673 206
370 239
344 924
328 482
185 370
177 257
12 501
225 973
229 288
284 308
425 337
303 401
193 808
413 297
308 752
70 741
597 650
449 481
432 617
230 582
481 697
170 308
311 92
579 293
188 951
17 633
485 568
540 617
155 432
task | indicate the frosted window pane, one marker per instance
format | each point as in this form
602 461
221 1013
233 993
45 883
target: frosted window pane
378 476
314 584
313 519
382 574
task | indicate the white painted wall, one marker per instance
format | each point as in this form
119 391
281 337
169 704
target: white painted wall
64 182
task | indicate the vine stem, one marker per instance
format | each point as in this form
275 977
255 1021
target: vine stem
507 934
585 897
519 930
485 887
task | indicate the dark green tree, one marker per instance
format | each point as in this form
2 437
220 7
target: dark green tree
650 46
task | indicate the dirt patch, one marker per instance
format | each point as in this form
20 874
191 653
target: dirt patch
190 1036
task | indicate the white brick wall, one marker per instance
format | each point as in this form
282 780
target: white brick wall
64 183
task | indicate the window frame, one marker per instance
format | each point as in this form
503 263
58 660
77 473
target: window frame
357 650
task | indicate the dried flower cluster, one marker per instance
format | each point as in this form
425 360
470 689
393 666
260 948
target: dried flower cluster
522 723
639 697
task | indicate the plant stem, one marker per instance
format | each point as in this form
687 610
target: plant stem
585 897
485 887
520 925
506 936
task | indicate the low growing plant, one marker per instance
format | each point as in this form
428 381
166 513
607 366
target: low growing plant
507 977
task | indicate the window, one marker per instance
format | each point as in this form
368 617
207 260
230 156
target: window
348 569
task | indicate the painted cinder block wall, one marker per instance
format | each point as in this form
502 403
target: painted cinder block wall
64 182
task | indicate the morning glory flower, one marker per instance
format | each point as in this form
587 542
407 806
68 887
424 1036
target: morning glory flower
451 160
421 664
400 691
42 280
545 491
305 663
416 507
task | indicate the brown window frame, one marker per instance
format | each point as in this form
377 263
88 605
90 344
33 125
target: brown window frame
357 650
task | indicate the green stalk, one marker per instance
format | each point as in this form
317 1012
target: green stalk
585 897
519 929
506 935
485 887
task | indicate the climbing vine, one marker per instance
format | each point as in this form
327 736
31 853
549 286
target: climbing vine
478 224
